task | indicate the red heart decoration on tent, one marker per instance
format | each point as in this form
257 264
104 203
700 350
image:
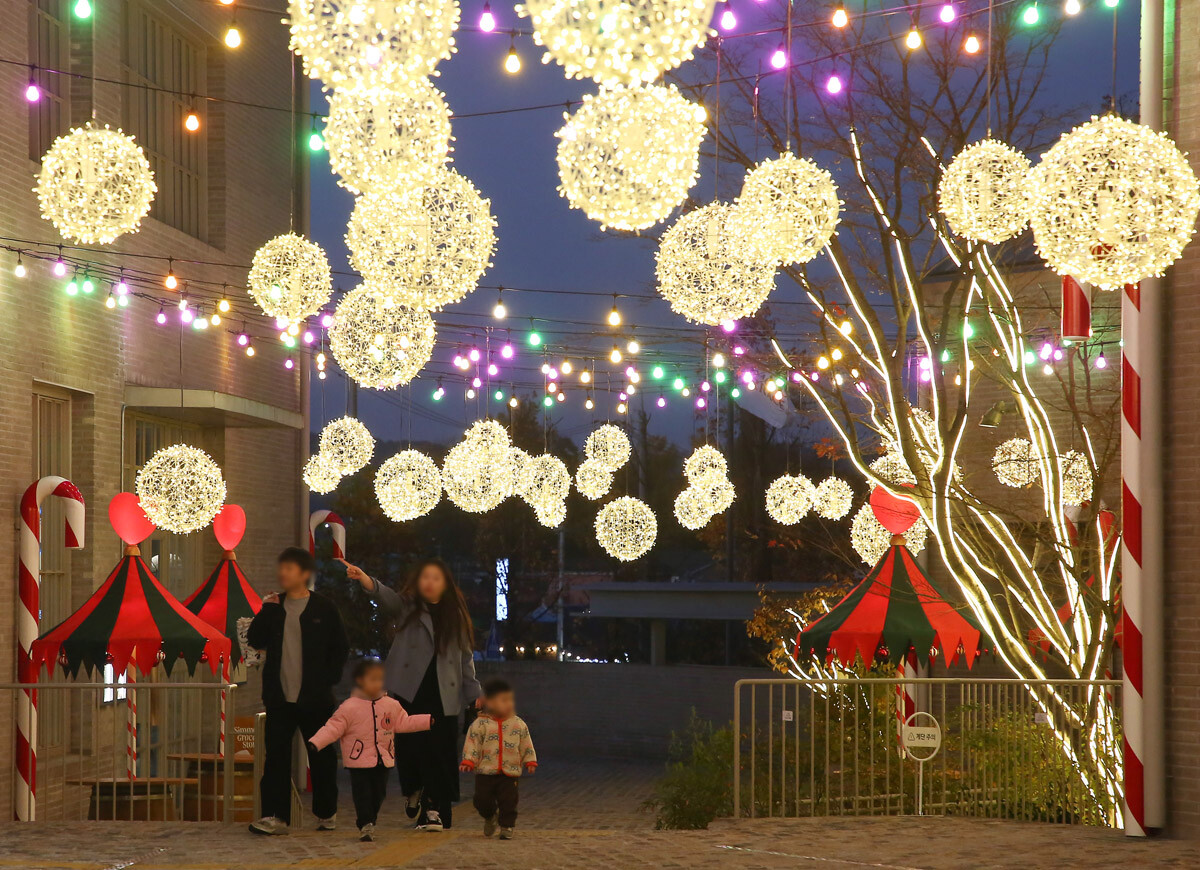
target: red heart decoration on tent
128 519
229 525
896 514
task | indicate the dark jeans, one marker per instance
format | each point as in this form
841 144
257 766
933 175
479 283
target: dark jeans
368 785
428 760
497 793
275 788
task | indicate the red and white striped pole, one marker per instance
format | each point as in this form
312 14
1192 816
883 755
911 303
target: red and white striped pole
28 613
131 726
336 526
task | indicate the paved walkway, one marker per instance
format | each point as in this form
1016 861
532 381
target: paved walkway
587 817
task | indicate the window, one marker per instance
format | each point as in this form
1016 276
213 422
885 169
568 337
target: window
167 62
49 49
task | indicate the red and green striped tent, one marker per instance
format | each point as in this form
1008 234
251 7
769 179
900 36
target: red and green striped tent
224 598
131 619
894 609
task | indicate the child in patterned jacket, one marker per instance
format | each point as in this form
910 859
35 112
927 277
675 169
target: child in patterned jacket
497 750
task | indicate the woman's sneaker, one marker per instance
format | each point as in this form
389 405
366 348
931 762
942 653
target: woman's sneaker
269 825
433 822
489 824
412 804
506 833
366 833
329 824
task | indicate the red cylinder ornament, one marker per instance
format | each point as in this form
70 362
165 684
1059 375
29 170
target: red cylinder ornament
1076 309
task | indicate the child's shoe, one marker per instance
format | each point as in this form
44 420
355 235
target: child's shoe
269 826
489 824
329 824
412 804
433 822
506 833
366 833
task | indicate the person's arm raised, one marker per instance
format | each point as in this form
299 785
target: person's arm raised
391 601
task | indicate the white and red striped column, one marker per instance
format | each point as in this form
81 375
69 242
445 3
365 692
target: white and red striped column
336 526
28 614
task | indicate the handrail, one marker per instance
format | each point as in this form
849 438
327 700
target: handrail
121 686
891 681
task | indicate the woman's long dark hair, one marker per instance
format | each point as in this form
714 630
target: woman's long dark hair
451 619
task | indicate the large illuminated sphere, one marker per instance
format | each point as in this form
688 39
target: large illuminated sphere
592 480
519 460
707 273
892 468
95 185
320 474
490 433
691 510
833 498
715 491
629 155
621 42
347 443
552 515
626 528
1077 478
290 278
789 498
608 447
408 485
544 482
984 192
343 41
1113 202
382 136
704 459
1016 462
378 342
871 540
788 207
477 474
180 488
430 243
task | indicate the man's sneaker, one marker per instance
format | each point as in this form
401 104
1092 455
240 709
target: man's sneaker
412 804
489 824
433 822
329 824
506 833
269 825
366 833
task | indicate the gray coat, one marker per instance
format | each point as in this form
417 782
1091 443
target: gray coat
413 647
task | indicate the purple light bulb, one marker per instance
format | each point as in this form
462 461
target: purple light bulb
308 337
60 268
728 19
162 317
487 21
473 355
662 402
834 84
326 320
32 92
289 363
242 339
779 58
507 351
947 14
493 369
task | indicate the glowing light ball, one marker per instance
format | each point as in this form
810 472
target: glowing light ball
431 243
387 136
347 443
491 433
623 42
892 468
626 528
544 482
984 192
290 278
408 485
477 473
552 515
378 342
691 510
1113 202
704 459
343 41
592 481
871 540
1077 478
608 447
320 474
708 274
789 207
833 498
180 488
789 498
519 459
95 185
629 155
1016 462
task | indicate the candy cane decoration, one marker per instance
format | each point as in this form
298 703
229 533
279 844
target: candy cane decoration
28 612
131 727
336 525
906 702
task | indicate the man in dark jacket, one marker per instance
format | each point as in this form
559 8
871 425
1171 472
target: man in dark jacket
305 644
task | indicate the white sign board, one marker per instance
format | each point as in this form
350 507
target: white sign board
921 736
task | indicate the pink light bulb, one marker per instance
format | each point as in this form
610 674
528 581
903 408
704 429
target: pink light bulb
1101 362
243 339
487 21
186 315
60 269
476 383
729 325
779 58
700 402
474 354
834 84
662 403
308 337
162 317
327 320
796 377
507 351
728 19
458 361
32 92
705 386
947 14
738 350
289 363
493 369
926 376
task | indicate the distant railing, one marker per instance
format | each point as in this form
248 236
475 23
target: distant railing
1040 750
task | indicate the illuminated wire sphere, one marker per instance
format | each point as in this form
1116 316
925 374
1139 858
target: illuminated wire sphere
290 278
492 433
552 515
1077 477
430 243
544 482
408 485
715 490
1016 462
320 474
892 468
343 41
833 498
477 474
608 447
871 540
1113 202
629 155
519 459
347 443
704 459
984 192
707 273
95 185
383 136
378 342
622 42
592 480
789 207
789 498
626 528
180 488
691 510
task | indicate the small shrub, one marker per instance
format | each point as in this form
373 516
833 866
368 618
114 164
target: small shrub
698 785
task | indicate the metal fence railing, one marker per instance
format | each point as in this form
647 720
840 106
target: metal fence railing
1046 750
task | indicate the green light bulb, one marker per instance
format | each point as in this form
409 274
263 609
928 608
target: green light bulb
83 9
547 401
678 383
657 373
73 288
88 286
1031 15
535 339
315 142
499 395
719 377
968 329
735 392
945 356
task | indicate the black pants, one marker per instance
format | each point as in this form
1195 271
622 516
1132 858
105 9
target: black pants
428 762
368 785
275 788
497 793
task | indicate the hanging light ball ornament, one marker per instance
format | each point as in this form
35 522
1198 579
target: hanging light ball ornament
892 468
347 443
430 243
790 497
95 185
408 485
623 42
608 447
1113 202
477 473
629 155
1077 478
833 498
715 491
343 41
180 488
491 433
382 136
789 206
592 481
984 192
690 509
871 540
544 482
1016 462
552 515
707 273
320 474
378 342
626 528
290 278
705 459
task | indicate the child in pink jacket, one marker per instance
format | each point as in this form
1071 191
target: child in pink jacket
367 724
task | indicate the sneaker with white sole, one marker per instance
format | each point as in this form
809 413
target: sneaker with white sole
506 833
433 822
490 823
269 826
329 824
367 833
412 804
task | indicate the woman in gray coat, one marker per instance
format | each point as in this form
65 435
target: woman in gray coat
430 669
